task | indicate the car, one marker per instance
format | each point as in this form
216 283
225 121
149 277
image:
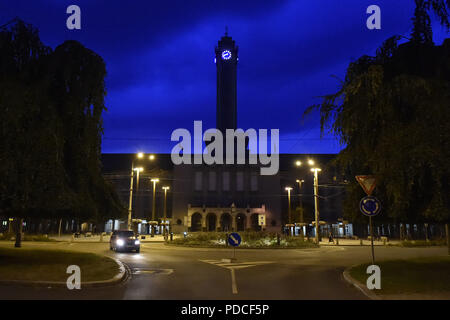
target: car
124 240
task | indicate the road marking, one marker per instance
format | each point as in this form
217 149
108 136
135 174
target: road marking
233 282
152 271
235 266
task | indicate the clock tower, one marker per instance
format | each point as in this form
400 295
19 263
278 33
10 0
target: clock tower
226 64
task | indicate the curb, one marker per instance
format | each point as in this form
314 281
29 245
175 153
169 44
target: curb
361 287
122 276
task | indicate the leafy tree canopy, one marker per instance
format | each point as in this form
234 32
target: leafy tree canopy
51 103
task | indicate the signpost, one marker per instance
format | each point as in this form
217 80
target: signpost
369 206
234 240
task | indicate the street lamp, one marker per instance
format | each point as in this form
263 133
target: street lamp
165 188
298 163
300 183
140 155
288 189
154 180
316 199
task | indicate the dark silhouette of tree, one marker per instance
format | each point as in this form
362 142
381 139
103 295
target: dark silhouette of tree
422 31
51 125
391 114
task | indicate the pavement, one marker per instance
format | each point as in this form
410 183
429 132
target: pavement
98 238
167 272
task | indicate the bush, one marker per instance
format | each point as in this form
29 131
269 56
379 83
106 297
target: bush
250 239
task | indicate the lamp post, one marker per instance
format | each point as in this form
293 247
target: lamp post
316 199
165 188
154 180
300 183
288 189
140 155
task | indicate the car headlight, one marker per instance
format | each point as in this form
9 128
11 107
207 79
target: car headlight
137 242
120 242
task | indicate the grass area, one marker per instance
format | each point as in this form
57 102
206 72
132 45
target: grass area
51 265
420 275
250 240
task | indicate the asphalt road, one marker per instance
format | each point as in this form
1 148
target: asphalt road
166 272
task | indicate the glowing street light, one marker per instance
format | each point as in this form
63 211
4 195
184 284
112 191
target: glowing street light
140 155
298 163
165 188
288 189
153 222
151 157
316 199
311 162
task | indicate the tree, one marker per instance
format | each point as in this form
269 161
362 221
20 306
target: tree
51 126
391 114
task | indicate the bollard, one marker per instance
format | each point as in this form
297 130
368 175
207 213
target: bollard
101 237
171 236
337 241
278 239
73 238
360 242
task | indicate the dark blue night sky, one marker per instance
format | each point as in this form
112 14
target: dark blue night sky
160 60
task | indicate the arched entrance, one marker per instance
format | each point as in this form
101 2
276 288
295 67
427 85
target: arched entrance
211 220
254 222
240 222
225 221
196 222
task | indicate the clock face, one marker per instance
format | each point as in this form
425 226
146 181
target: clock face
226 55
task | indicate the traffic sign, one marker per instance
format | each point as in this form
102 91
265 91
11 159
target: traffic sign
262 220
370 206
234 239
368 183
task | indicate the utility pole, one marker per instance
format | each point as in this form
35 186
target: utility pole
165 208
288 189
316 200
154 180
59 229
130 203
300 183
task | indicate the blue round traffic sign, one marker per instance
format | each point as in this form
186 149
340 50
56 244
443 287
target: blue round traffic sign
370 206
234 239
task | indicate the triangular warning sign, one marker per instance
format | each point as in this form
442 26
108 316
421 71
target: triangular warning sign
368 183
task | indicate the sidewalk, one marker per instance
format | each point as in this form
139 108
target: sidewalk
96 238
352 242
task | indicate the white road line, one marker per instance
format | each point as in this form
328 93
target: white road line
233 282
235 266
